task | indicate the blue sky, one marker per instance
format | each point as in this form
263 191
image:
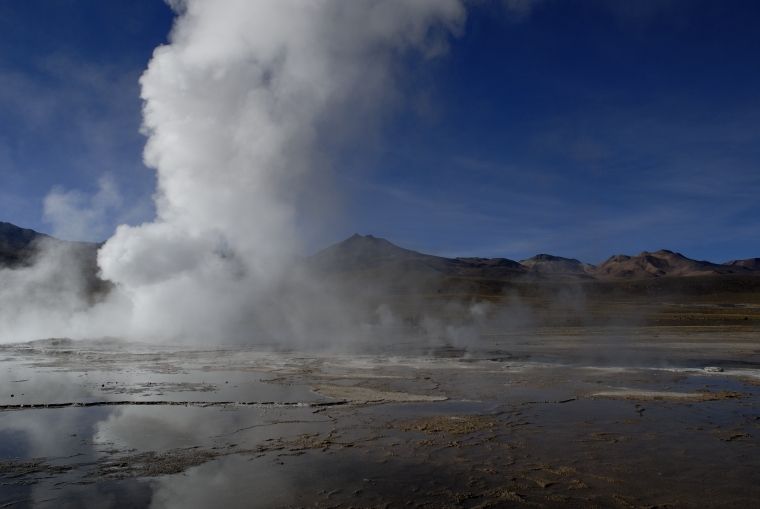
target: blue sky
579 128
69 103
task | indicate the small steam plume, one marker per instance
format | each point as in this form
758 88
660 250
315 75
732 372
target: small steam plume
241 110
77 216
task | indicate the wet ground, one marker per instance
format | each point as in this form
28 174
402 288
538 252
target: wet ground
646 417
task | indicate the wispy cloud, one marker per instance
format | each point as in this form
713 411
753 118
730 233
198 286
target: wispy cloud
72 122
520 9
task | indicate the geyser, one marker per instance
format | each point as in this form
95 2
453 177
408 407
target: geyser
238 110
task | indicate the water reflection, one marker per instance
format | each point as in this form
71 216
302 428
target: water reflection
243 456
232 482
127 456
103 445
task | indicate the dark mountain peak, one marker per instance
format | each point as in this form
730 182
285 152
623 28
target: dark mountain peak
17 245
15 236
618 258
543 257
370 253
488 262
551 264
664 252
364 240
359 252
369 245
546 257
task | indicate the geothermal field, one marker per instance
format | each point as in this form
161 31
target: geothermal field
555 391
181 325
649 416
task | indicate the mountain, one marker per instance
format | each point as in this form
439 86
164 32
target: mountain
365 252
749 263
660 264
17 245
369 254
556 265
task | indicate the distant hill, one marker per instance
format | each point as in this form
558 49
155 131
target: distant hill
369 254
660 263
372 258
749 263
556 265
366 254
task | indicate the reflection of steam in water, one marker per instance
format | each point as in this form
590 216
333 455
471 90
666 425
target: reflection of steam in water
97 444
162 453
149 429
29 385
234 482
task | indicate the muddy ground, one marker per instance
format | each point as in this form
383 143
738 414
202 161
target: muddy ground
552 417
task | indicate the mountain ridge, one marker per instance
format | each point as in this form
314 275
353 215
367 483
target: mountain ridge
367 252
371 255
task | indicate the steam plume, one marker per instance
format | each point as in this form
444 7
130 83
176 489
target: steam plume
239 109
